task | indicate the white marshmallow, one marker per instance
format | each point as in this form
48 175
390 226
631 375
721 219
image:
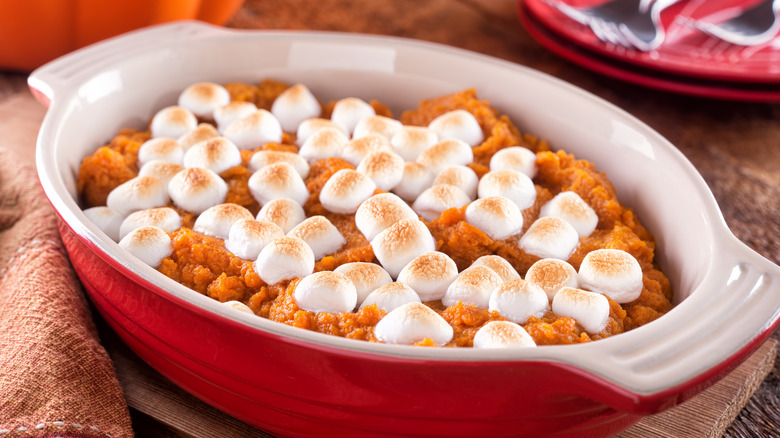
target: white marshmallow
162 170
510 184
499 265
391 296
254 130
138 193
217 220
172 122
217 154
356 149
383 167
570 207
164 218
261 159
461 177
149 244
285 213
284 259
434 200
345 190
203 98
413 322
551 275
550 237
401 243
325 143
429 274
410 141
496 216
325 291
295 105
380 211
518 300
320 234
238 305
446 153
196 189
278 180
160 149
613 272
349 111
202 132
235 110
247 237
458 124
377 125
107 220
309 126
589 309
502 334
473 287
515 158
366 277
416 179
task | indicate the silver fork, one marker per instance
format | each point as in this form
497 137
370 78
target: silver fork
629 23
753 26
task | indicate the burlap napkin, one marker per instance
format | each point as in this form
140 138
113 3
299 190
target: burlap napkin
55 377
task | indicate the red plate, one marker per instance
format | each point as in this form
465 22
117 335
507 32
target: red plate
686 51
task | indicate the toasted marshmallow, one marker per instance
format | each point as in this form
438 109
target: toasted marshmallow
254 130
513 185
160 149
390 296
429 274
247 237
446 153
401 243
164 218
202 132
238 305
499 265
295 105
416 179
172 122
356 149
377 125
217 154
349 111
196 189
570 207
473 287
235 110
460 125
261 159
366 277
612 272
309 126
551 275
325 143
138 193
107 219
502 334
461 177
518 300
345 190
434 200
217 220
385 168
285 213
203 98
149 244
162 170
413 322
550 237
380 211
410 141
284 259
515 158
278 180
589 309
496 216
320 234
326 291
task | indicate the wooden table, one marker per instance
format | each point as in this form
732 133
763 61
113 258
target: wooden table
735 146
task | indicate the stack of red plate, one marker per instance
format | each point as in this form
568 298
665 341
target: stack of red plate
688 61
